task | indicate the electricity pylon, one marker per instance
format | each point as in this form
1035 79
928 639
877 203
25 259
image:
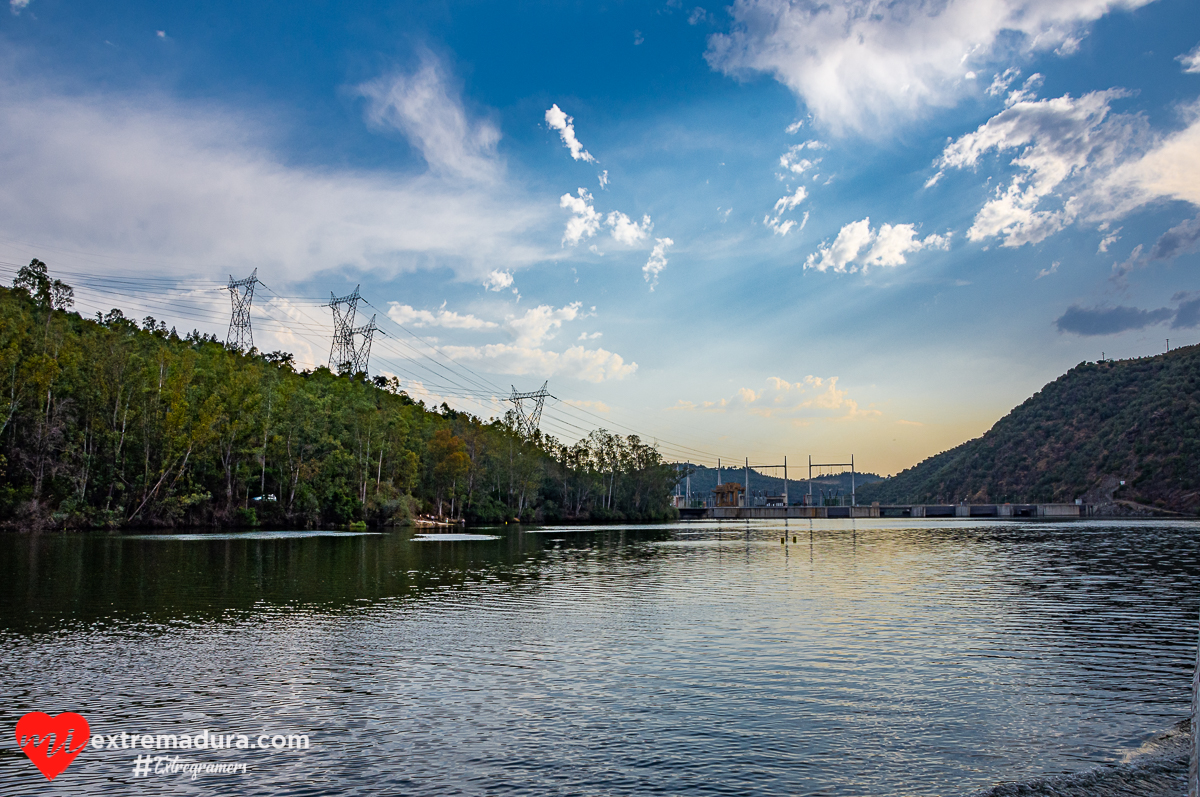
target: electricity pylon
345 353
241 293
527 423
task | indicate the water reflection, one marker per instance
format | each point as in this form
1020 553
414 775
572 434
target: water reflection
826 657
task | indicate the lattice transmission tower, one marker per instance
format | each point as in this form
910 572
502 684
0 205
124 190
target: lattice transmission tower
241 292
346 353
527 423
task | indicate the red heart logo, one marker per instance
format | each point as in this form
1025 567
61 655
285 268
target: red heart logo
47 740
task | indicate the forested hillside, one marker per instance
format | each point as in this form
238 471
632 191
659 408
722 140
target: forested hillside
1079 437
108 422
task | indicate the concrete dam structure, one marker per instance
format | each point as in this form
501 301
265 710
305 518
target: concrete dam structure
886 511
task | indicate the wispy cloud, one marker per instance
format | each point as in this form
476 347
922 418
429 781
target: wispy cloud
17 6
1190 59
141 179
798 402
427 109
657 261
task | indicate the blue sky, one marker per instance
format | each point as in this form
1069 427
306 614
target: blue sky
760 230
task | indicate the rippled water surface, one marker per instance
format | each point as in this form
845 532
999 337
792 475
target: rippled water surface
866 657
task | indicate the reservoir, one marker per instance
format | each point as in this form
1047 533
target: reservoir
856 657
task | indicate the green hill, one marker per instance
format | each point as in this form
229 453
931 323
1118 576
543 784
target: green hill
1101 423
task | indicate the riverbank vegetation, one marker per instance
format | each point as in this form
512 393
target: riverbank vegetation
1122 433
109 422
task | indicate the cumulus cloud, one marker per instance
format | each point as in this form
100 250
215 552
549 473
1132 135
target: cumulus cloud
584 221
1109 320
498 280
17 6
428 110
857 246
1190 59
625 231
407 316
1062 143
565 125
800 401
657 261
142 180
697 16
861 64
541 323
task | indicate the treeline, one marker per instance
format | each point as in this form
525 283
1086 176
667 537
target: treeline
109 422
1105 432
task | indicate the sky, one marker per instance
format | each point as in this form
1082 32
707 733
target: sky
764 230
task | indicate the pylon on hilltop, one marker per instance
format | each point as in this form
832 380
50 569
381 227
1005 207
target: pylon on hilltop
241 293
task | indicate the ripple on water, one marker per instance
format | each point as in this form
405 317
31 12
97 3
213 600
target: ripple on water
882 657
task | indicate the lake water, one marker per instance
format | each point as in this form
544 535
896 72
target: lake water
866 658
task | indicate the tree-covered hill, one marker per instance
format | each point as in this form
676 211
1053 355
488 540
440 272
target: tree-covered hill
107 422
1079 437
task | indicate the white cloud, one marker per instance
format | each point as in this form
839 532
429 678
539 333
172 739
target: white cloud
498 280
17 6
407 316
861 64
427 109
1027 92
603 178
1108 240
141 181
541 323
794 127
657 261
625 231
799 402
1046 272
857 246
786 203
697 16
1190 59
1062 143
584 221
783 205
566 129
1168 169
592 336
794 162
1002 80
590 365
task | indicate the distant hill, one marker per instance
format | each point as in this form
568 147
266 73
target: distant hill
1078 437
705 479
